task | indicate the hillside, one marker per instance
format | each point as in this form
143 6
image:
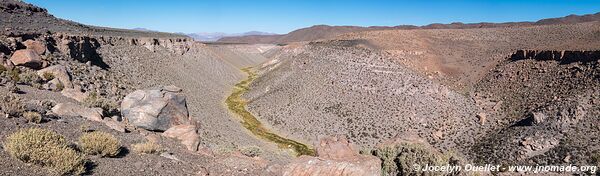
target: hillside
325 32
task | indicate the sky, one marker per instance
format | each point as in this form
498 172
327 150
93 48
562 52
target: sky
283 16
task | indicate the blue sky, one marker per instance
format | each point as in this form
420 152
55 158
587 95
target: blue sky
282 16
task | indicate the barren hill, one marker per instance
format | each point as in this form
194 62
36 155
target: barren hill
325 32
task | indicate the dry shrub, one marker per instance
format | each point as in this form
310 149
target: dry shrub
11 105
2 68
94 101
99 143
48 76
30 78
45 148
147 148
33 117
251 151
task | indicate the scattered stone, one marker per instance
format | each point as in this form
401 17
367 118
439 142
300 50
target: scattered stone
26 57
112 124
169 156
53 85
156 109
482 118
73 110
75 94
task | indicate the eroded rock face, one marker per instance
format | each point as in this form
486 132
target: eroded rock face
336 156
26 57
70 109
156 109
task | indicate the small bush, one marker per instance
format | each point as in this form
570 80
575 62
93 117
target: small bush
147 148
252 151
99 143
30 78
33 117
60 86
95 101
45 148
14 74
2 68
11 105
48 76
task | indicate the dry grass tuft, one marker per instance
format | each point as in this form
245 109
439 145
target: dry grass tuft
33 117
147 148
11 105
45 148
48 76
100 143
251 151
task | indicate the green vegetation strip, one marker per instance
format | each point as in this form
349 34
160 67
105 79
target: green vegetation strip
237 104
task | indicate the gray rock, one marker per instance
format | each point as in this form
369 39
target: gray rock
73 110
156 109
59 72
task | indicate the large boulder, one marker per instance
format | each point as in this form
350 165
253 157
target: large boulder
37 46
336 156
74 110
26 57
59 72
187 134
156 109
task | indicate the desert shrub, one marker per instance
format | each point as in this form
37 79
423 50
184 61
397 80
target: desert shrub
13 74
2 68
99 143
48 76
30 78
60 86
94 101
45 148
401 159
33 117
147 148
252 151
11 105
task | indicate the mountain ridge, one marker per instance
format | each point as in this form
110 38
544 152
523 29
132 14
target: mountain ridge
316 32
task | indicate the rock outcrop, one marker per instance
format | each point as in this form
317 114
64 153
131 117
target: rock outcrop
336 156
564 57
187 134
37 46
74 110
57 72
156 109
26 57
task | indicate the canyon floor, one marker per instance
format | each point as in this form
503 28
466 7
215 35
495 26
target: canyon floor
517 95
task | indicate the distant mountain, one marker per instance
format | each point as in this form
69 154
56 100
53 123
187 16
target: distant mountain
324 31
214 36
144 29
